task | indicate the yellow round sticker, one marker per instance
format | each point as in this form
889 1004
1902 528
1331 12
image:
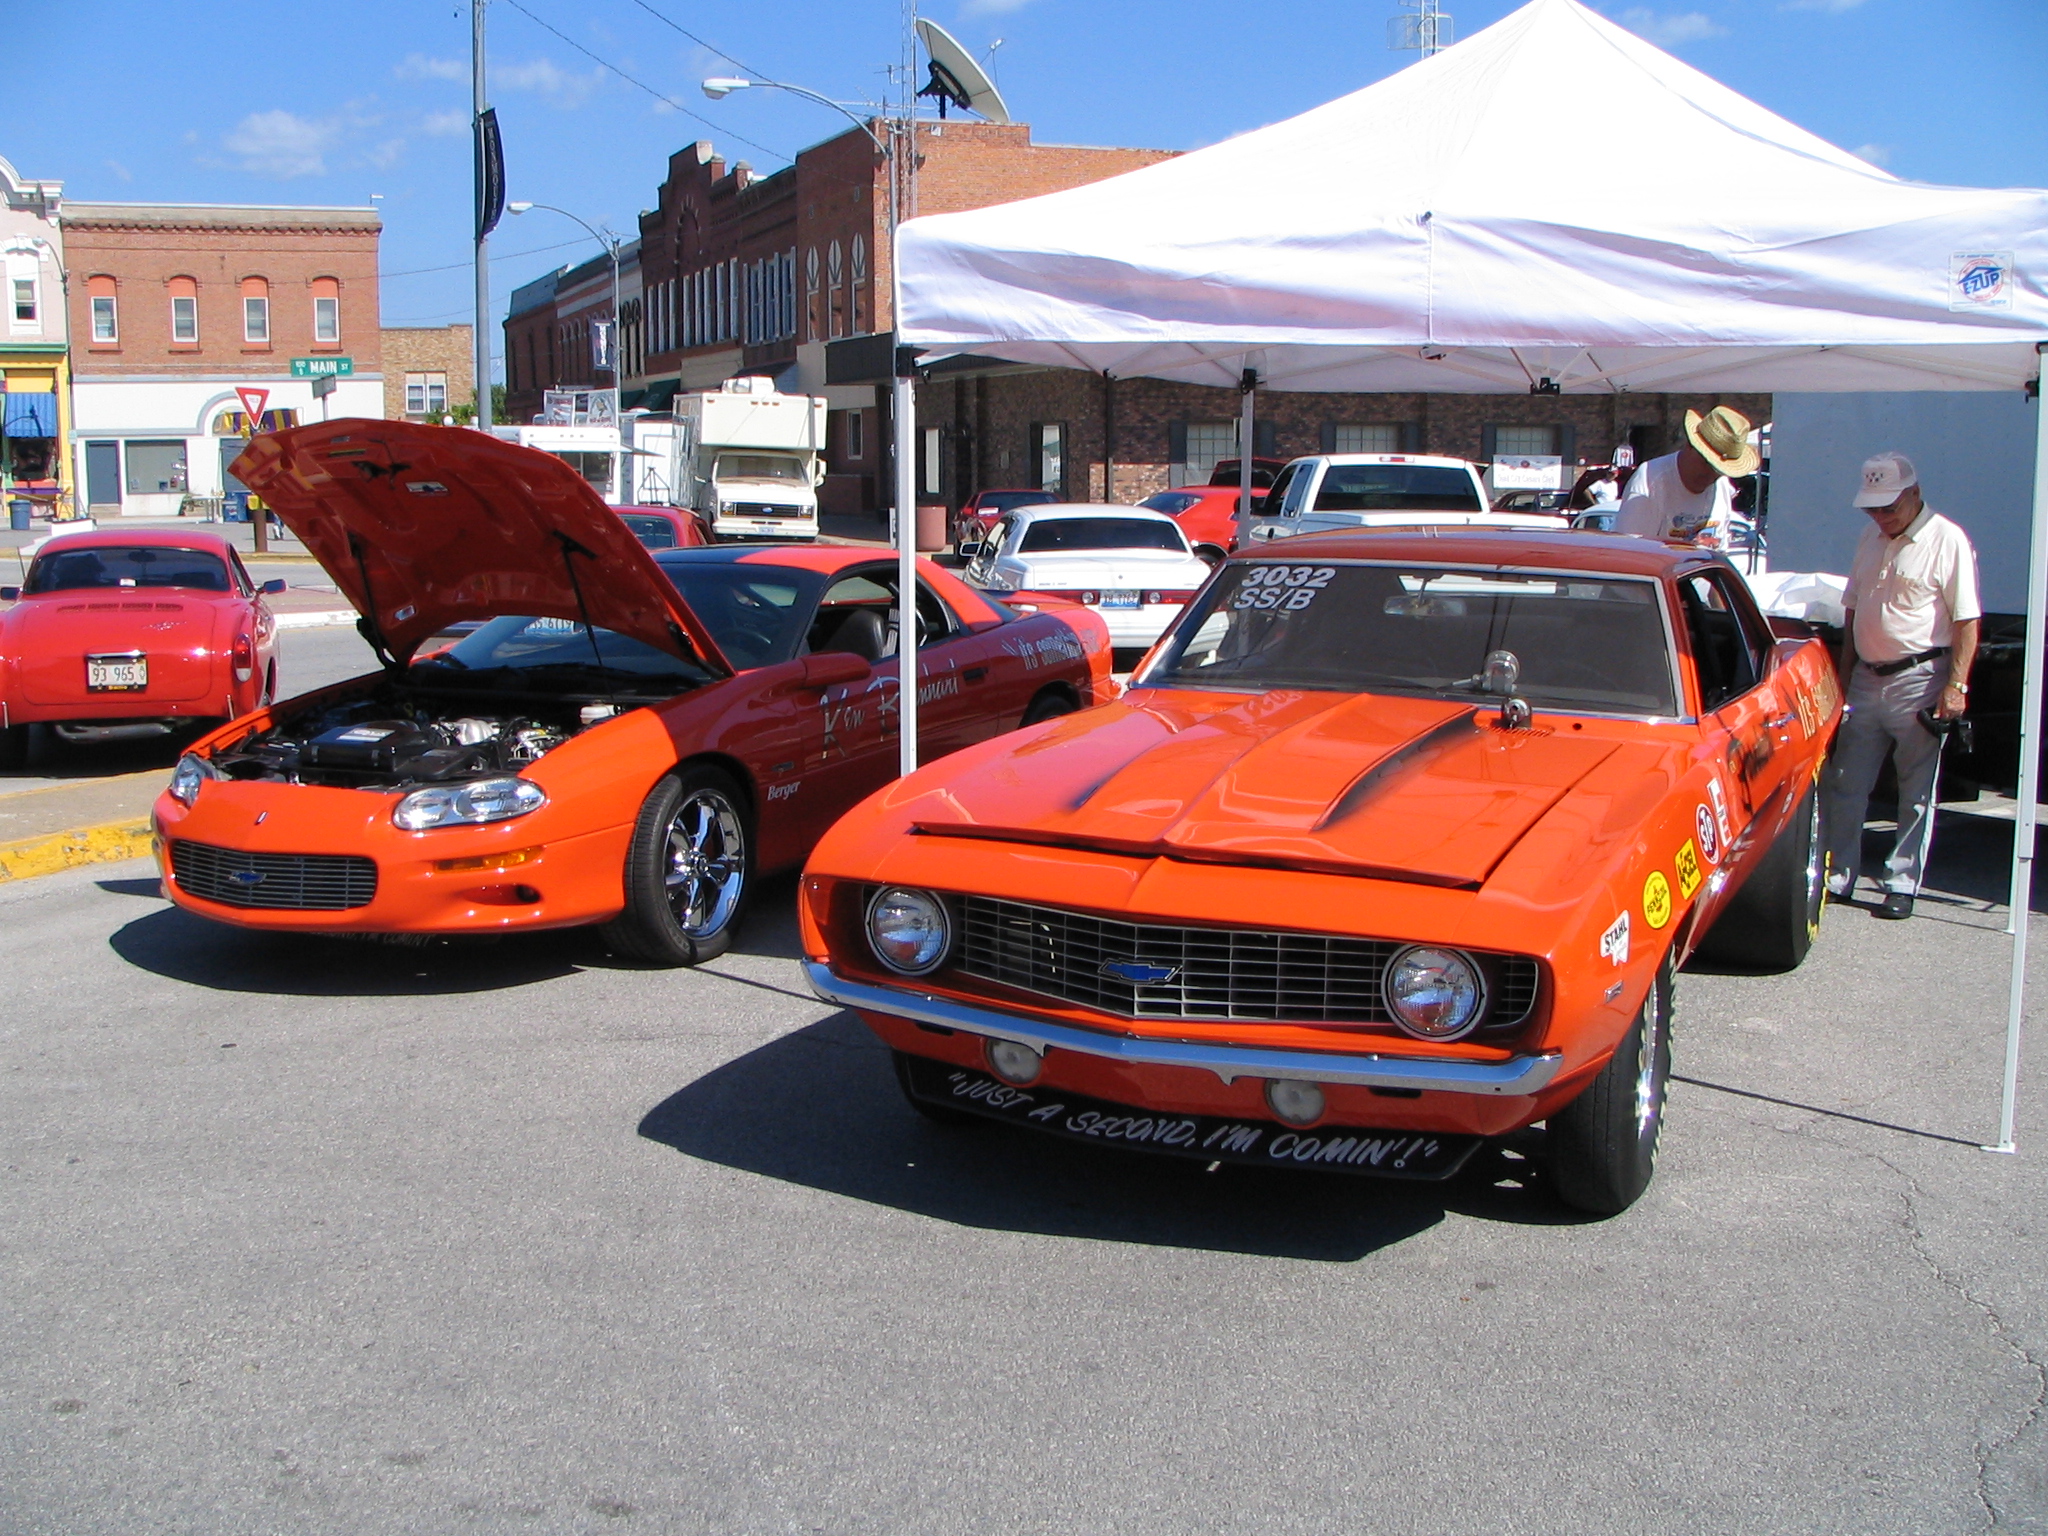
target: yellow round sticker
1656 899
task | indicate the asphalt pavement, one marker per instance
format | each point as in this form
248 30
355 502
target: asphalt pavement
313 1237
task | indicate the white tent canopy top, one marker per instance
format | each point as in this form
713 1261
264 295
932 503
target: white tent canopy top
1439 231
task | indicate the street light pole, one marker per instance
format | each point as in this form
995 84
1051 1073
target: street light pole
480 343
611 243
902 402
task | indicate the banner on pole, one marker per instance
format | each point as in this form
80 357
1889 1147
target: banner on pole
490 173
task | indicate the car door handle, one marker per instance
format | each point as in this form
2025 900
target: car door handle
975 674
1781 722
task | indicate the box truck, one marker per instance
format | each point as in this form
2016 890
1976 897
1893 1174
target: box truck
745 457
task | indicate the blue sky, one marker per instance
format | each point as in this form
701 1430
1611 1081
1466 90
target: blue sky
241 103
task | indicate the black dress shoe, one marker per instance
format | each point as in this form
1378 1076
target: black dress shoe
1897 906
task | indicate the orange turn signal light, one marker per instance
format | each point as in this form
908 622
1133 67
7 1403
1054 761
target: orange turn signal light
488 861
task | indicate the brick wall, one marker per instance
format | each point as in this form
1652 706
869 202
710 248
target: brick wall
988 421
442 349
141 250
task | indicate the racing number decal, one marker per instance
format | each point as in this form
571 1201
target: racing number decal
1656 899
1710 835
1688 866
1284 588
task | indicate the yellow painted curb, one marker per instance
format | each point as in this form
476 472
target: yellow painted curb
106 844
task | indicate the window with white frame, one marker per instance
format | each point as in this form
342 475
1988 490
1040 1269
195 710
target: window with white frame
856 288
1050 448
26 309
1376 437
185 317
1209 441
856 434
934 459
326 317
106 324
426 394
1519 442
256 319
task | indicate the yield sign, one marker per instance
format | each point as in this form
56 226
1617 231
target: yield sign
252 406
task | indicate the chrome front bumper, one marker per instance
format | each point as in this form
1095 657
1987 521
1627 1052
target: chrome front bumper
1519 1076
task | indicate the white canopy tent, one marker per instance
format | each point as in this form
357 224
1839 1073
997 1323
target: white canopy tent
1439 232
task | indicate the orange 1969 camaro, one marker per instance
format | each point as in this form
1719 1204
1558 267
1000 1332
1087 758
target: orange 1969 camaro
621 739
1395 843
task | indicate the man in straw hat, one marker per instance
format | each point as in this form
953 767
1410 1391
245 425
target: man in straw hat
1907 644
1685 495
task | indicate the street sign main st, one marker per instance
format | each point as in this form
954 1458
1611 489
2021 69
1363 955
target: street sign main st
323 367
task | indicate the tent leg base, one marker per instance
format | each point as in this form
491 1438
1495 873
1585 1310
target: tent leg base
2003 1146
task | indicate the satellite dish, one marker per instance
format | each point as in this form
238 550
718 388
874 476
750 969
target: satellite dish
956 78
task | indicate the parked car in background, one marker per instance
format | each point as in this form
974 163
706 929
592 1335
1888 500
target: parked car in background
1551 503
1133 567
1324 492
1397 842
1264 473
129 633
665 527
622 740
1207 514
973 521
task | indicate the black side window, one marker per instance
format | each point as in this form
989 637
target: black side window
1278 493
1723 650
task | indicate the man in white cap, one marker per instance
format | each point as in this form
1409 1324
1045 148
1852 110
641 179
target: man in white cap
1685 495
1907 644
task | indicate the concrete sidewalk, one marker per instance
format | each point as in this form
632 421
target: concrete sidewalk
91 821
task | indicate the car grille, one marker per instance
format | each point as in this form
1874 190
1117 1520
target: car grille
301 882
760 509
1216 973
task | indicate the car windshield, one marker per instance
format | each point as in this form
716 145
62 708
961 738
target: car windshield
1071 534
761 466
519 651
653 532
1397 488
66 570
758 614
1172 503
1580 643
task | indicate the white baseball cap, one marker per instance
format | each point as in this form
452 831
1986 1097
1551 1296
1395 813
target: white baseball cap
1886 477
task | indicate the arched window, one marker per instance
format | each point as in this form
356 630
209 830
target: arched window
811 320
184 312
256 311
834 294
857 284
103 294
326 312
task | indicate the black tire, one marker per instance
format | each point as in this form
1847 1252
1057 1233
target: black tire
1600 1150
688 872
1049 705
13 748
1772 919
938 1114
1210 555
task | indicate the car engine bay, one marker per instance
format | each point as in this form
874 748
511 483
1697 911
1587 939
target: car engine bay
397 738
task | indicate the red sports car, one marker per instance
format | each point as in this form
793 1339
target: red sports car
1207 514
984 507
664 527
118 633
624 739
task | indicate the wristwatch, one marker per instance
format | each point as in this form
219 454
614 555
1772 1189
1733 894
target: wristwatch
1962 688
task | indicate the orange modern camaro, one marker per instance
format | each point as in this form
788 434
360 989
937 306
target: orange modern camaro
1395 843
620 739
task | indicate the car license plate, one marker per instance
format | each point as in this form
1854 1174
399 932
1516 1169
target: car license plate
116 674
1212 1138
1120 600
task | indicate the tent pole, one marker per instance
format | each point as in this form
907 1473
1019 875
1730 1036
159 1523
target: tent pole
2030 774
1248 388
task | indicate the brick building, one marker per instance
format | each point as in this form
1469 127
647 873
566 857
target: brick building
172 307
429 370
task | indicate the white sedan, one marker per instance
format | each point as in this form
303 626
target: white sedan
1132 566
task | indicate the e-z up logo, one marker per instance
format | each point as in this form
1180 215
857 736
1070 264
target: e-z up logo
1980 280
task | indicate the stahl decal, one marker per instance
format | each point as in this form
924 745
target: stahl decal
1614 942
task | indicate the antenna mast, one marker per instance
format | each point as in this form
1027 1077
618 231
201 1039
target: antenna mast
1428 31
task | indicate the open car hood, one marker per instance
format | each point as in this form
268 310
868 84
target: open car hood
422 527
1423 791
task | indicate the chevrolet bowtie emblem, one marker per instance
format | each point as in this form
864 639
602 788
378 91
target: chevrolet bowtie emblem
1138 974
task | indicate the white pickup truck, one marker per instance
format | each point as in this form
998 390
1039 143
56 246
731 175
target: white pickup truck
1330 491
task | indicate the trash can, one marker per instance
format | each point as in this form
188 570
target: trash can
19 510
931 526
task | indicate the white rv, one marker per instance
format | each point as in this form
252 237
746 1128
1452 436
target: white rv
745 456
596 453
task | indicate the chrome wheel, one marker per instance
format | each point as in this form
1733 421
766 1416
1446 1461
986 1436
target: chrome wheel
707 862
1649 1068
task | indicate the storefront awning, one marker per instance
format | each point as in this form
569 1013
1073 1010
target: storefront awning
31 415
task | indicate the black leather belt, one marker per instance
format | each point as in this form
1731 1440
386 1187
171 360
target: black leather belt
1893 668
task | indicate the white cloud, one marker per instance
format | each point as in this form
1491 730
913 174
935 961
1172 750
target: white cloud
120 170
418 66
445 124
544 77
1670 31
1876 154
386 153
975 8
282 145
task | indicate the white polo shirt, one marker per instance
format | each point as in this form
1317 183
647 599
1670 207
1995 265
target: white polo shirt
1909 592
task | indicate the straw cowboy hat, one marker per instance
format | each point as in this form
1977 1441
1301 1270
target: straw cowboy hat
1722 437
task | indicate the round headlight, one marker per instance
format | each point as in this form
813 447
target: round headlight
909 931
191 772
1434 994
475 804
1296 1102
1013 1061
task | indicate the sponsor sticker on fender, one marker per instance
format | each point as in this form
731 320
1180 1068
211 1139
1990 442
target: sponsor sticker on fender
1710 835
1656 899
1688 865
1720 798
1614 942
